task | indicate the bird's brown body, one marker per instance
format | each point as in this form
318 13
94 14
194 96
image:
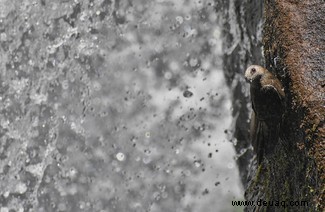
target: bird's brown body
268 103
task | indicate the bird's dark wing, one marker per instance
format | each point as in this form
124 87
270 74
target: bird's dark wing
272 91
270 104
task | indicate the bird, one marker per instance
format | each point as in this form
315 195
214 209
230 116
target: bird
268 108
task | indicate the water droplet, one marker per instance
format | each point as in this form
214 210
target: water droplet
179 19
21 188
3 36
187 94
197 163
230 165
168 75
65 84
193 62
120 156
146 160
164 195
4 209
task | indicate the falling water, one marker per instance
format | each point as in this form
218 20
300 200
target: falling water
120 105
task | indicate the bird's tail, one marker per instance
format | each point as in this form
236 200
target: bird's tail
267 136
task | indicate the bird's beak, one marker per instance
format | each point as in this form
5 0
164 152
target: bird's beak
248 80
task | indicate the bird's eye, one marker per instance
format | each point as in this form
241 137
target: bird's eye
253 70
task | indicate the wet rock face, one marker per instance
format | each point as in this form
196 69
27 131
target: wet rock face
113 105
242 46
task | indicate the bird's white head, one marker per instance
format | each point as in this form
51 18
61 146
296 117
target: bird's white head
254 71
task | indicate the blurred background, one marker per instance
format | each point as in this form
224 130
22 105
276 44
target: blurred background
111 105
